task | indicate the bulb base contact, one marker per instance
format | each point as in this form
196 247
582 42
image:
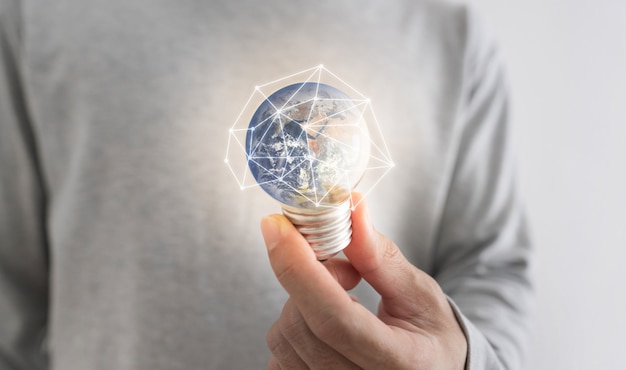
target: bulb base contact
328 230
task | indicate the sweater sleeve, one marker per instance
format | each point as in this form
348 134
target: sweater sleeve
23 251
483 251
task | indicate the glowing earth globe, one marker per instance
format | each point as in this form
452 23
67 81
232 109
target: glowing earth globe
307 145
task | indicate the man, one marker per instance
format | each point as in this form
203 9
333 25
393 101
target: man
125 244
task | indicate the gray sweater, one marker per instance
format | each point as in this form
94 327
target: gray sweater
125 243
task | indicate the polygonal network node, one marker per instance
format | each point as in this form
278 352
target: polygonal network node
306 171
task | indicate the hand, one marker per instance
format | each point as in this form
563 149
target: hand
323 327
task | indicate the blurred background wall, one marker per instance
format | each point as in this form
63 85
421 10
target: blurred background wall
567 66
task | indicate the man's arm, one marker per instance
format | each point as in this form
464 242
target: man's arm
483 249
23 252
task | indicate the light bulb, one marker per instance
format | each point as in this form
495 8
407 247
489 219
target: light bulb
307 144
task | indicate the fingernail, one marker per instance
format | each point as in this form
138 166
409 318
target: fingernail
270 228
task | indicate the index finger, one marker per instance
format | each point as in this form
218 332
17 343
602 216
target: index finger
305 279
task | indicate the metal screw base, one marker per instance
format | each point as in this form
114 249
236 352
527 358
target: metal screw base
328 230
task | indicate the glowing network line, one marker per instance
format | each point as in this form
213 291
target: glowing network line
312 127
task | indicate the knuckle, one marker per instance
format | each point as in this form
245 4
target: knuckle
433 291
275 340
291 320
390 251
332 327
293 328
279 346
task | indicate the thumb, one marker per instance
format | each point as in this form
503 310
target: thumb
381 263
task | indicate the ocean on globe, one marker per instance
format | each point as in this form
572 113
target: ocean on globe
307 145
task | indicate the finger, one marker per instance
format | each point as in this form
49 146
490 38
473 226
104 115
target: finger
384 267
295 265
284 356
315 353
343 272
329 312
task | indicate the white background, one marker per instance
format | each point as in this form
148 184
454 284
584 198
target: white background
567 65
